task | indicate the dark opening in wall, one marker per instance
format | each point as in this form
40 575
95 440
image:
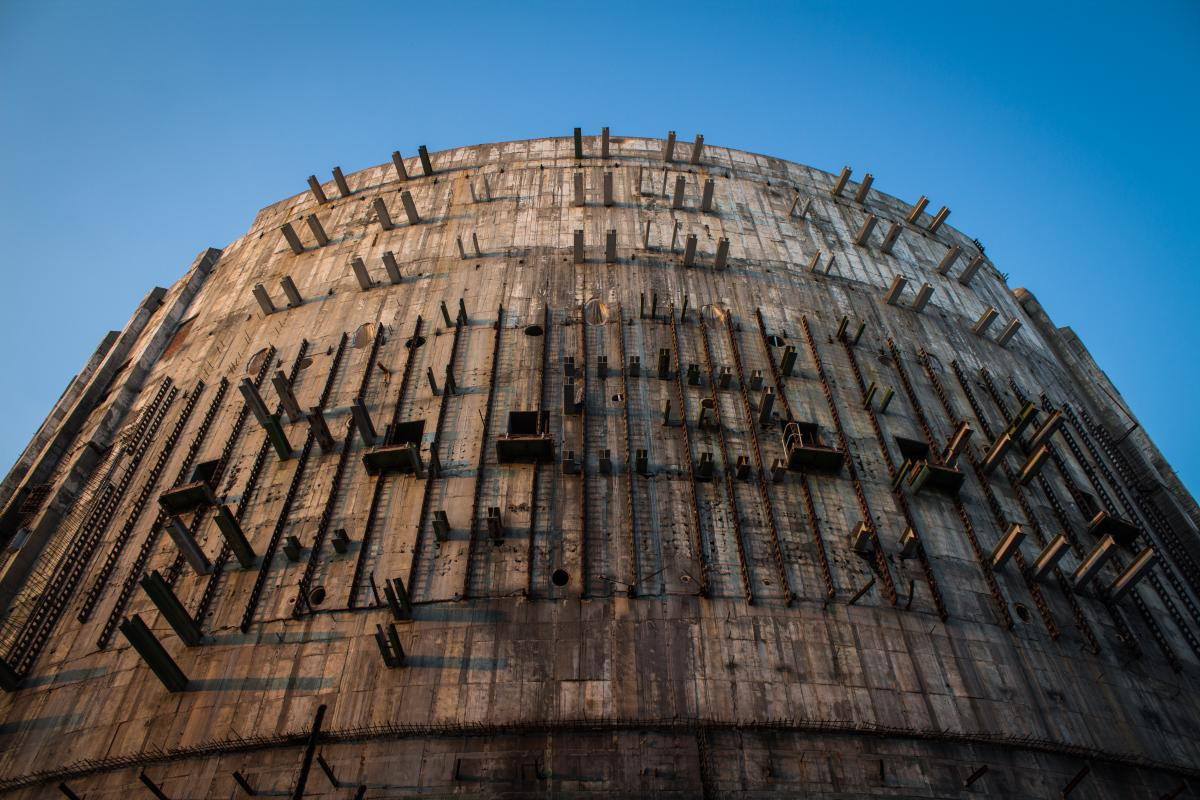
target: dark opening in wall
912 450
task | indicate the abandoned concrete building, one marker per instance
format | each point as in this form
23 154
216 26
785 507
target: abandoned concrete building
596 466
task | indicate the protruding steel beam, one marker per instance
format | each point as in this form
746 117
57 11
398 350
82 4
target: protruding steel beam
895 290
398 600
291 292
580 198
942 213
608 188
1133 573
254 400
578 246
389 645
173 611
398 162
289 233
410 208
1093 562
340 180
677 198
188 546
362 422
381 213
393 269
610 247
231 532
706 198
1009 331
264 299
947 263
910 544
697 148
864 232
788 362
923 295
426 164
320 429
1033 465
915 214
1047 429
283 388
766 404
154 654
669 147
318 230
278 438
863 188
318 193
1051 554
889 241
985 320
604 142
842 180
689 250
1008 545
722 253
360 274
969 273
578 143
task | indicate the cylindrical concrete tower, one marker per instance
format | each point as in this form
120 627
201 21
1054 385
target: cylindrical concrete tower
596 466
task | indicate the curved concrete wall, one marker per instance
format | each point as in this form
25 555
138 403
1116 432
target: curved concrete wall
700 619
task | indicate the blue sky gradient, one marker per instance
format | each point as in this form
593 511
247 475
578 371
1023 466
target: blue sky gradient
1063 136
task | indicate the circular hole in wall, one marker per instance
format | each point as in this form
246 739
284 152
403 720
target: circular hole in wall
316 596
775 341
595 312
560 577
1023 613
414 341
618 398
533 330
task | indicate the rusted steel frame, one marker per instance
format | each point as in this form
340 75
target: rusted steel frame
268 555
427 495
177 563
934 451
1150 511
481 463
1124 632
537 472
92 595
1076 610
147 548
1152 514
222 559
727 474
314 554
965 518
627 445
36 629
810 507
755 447
1106 499
998 399
698 539
406 376
584 533
1133 517
881 565
898 493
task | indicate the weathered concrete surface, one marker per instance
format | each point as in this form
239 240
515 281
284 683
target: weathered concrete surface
666 659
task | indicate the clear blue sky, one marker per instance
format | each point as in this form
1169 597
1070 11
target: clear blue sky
1063 136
